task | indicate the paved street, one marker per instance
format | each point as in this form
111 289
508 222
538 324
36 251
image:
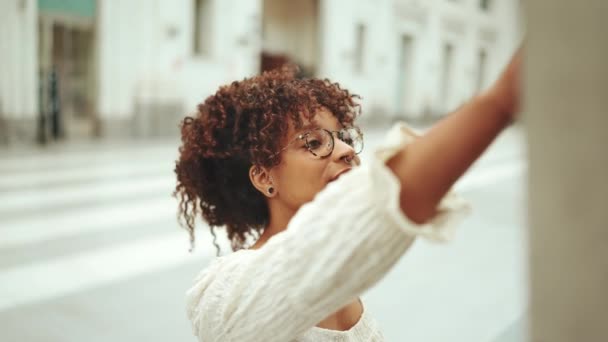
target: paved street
90 251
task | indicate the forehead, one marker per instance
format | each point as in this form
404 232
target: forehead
323 118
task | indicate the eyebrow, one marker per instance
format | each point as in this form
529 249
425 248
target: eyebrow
305 128
310 126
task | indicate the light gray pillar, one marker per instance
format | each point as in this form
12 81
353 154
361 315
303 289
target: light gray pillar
566 117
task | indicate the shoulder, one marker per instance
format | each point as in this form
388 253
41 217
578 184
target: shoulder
208 290
219 271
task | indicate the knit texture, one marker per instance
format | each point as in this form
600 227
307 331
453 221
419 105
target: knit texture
335 248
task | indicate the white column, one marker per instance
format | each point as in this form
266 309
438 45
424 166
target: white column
4 58
566 116
29 71
18 50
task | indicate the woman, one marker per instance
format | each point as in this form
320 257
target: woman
273 159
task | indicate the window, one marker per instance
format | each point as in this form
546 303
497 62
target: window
485 5
360 48
202 25
482 61
404 74
446 75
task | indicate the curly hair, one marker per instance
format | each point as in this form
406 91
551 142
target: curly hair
244 124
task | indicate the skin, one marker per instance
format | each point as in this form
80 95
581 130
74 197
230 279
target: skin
427 168
300 175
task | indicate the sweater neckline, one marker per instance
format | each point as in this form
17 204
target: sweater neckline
357 328
360 328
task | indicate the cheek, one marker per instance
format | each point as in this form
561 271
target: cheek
303 179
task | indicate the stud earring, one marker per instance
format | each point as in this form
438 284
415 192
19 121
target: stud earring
270 188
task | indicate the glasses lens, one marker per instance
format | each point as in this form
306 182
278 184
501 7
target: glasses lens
319 142
353 138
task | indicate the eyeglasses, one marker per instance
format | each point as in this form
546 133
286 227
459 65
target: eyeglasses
320 142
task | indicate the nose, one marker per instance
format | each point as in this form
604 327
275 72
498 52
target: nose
343 152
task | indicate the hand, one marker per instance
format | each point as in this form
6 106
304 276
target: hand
506 91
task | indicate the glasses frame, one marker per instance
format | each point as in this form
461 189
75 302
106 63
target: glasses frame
304 135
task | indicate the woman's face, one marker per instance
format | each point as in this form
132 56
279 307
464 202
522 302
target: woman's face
301 175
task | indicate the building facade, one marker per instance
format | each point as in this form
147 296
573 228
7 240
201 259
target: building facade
133 68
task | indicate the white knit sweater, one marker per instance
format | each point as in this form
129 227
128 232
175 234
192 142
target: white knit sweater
334 248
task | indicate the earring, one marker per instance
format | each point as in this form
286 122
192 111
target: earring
270 189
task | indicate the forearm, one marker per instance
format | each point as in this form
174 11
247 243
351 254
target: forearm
429 167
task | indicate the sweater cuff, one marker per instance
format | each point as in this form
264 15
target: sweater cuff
452 209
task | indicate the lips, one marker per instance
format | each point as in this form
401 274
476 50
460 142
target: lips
337 175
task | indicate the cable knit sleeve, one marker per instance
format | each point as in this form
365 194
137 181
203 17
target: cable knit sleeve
335 247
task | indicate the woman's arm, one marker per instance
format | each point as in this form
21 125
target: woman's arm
429 167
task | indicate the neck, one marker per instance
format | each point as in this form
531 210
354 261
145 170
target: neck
280 215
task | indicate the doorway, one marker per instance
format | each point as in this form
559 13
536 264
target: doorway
290 35
67 69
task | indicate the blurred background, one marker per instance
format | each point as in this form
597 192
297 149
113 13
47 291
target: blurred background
77 69
91 93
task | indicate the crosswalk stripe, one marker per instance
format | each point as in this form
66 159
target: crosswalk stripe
33 229
35 200
53 278
40 179
59 160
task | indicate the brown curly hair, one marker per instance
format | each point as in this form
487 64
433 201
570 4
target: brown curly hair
243 124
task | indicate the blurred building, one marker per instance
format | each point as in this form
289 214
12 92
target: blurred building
81 68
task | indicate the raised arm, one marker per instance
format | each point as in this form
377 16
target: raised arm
430 166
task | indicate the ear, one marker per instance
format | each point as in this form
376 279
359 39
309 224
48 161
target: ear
262 180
